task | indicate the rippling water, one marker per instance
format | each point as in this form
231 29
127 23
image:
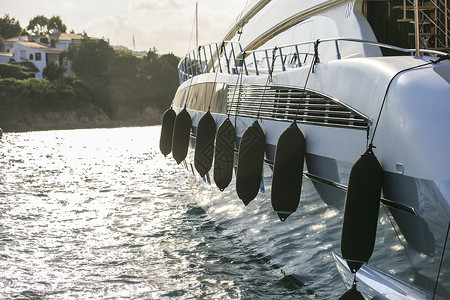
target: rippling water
100 213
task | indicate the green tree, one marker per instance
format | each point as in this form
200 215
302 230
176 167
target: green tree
151 65
53 72
159 78
55 23
9 27
125 65
38 25
92 58
169 76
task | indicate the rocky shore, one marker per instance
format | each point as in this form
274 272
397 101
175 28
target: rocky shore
76 119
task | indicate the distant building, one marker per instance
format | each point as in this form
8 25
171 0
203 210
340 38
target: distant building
138 54
38 54
41 50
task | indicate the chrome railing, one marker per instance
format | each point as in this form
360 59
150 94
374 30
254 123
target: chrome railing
215 57
228 57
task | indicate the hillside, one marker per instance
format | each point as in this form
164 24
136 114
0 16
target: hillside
119 89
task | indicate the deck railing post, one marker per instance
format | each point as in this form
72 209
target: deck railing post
267 60
206 60
226 59
212 58
182 73
282 60
243 58
299 63
200 59
196 64
234 58
255 63
218 58
183 70
190 64
186 73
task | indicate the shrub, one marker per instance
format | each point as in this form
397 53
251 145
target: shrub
28 65
13 71
53 72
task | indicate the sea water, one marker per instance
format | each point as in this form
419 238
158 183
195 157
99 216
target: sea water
101 214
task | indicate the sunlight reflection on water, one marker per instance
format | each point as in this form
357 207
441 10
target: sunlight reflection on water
100 213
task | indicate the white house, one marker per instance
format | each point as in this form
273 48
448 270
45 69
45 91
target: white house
7 45
38 54
40 50
5 57
64 40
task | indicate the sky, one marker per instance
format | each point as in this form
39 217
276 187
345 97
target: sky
167 25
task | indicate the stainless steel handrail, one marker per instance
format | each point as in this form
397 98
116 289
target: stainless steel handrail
230 58
382 45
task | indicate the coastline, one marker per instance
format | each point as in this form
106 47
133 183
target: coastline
77 119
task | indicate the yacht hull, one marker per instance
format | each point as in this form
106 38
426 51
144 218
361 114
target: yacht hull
344 97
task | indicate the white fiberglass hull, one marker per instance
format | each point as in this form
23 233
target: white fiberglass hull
344 96
409 245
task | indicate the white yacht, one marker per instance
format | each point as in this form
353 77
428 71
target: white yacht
297 92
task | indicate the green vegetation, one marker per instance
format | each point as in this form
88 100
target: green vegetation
13 71
56 23
9 27
19 97
53 72
41 25
126 84
28 66
17 70
119 85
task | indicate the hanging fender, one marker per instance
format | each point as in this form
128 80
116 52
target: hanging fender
250 163
224 154
181 135
204 144
352 294
361 210
288 171
165 140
